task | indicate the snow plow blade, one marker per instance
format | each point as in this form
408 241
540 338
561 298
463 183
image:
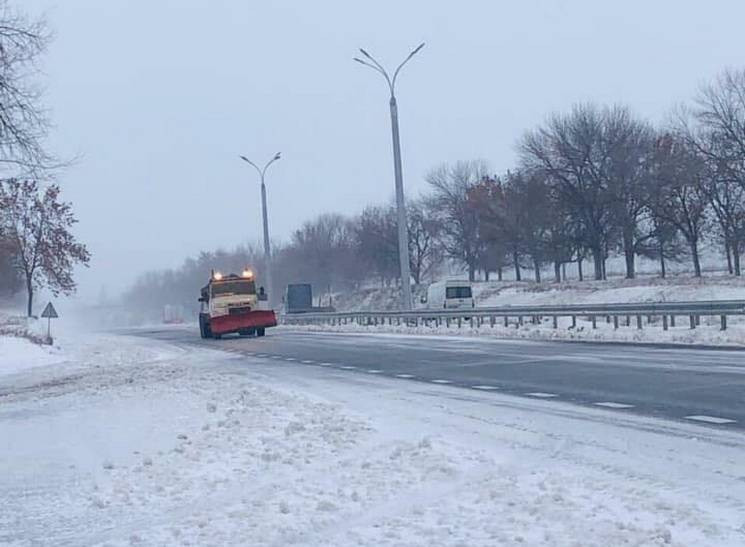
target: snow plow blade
257 319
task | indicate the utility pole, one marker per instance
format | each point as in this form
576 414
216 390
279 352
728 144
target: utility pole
267 247
403 232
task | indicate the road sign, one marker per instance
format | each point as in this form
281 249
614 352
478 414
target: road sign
50 312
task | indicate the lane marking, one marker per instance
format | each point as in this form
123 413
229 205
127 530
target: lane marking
485 388
374 371
290 359
710 419
326 364
307 362
542 395
404 376
441 382
347 367
611 404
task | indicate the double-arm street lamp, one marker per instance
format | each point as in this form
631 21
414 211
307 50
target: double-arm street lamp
267 248
403 237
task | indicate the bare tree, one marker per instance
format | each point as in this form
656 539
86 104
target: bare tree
38 227
425 251
680 173
23 121
458 214
572 151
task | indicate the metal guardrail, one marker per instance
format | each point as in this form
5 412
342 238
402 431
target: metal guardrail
477 317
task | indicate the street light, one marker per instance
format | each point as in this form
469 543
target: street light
267 249
403 236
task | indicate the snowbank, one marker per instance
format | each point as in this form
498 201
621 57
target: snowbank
152 444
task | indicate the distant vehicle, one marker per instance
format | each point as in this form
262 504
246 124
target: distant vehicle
449 295
230 304
299 299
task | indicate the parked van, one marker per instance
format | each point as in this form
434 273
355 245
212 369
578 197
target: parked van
450 295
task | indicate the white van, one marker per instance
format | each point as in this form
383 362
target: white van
450 295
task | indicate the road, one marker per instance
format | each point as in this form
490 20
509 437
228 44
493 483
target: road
697 385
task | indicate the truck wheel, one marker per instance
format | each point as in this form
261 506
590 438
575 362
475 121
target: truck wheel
204 329
260 331
245 332
217 336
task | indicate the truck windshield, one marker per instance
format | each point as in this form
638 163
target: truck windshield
228 288
458 292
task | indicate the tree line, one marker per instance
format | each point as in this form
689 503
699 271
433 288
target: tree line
37 247
591 183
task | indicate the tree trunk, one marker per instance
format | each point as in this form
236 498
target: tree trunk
728 253
557 272
579 269
630 266
499 273
537 268
564 271
597 259
736 257
663 272
471 272
486 275
516 261
30 302
696 260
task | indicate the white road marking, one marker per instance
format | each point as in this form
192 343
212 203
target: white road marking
374 371
404 376
611 404
347 367
290 359
711 419
259 355
307 362
541 395
326 364
441 382
485 388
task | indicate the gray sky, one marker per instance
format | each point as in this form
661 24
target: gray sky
160 97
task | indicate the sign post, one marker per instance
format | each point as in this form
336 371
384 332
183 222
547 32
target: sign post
50 313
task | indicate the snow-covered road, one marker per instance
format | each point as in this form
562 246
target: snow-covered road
134 441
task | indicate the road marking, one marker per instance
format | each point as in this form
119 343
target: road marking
290 359
541 395
404 376
259 355
441 382
347 367
710 419
611 404
485 388
307 362
374 371
326 364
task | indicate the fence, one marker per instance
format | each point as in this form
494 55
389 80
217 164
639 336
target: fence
618 314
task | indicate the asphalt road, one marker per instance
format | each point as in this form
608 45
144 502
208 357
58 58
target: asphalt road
697 385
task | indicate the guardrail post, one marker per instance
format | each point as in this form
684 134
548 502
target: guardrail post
574 321
638 321
672 320
447 322
607 318
724 322
693 321
520 320
555 321
628 320
649 319
460 321
492 319
664 322
615 322
506 321
698 320
594 320
470 321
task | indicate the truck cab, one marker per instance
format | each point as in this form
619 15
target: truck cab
231 304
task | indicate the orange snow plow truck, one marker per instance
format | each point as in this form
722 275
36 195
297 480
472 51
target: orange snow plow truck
230 304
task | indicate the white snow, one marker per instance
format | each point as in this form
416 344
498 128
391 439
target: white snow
130 441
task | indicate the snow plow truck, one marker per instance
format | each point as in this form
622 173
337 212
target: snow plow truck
231 304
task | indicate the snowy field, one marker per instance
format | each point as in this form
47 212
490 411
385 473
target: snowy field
125 441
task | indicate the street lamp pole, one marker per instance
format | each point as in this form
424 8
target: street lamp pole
267 247
403 235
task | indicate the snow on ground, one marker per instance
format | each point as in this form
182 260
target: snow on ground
131 441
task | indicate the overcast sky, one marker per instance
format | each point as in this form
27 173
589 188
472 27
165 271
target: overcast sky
158 98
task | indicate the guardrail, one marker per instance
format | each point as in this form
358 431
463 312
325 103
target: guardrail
478 317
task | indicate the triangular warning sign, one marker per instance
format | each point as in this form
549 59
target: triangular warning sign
50 312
